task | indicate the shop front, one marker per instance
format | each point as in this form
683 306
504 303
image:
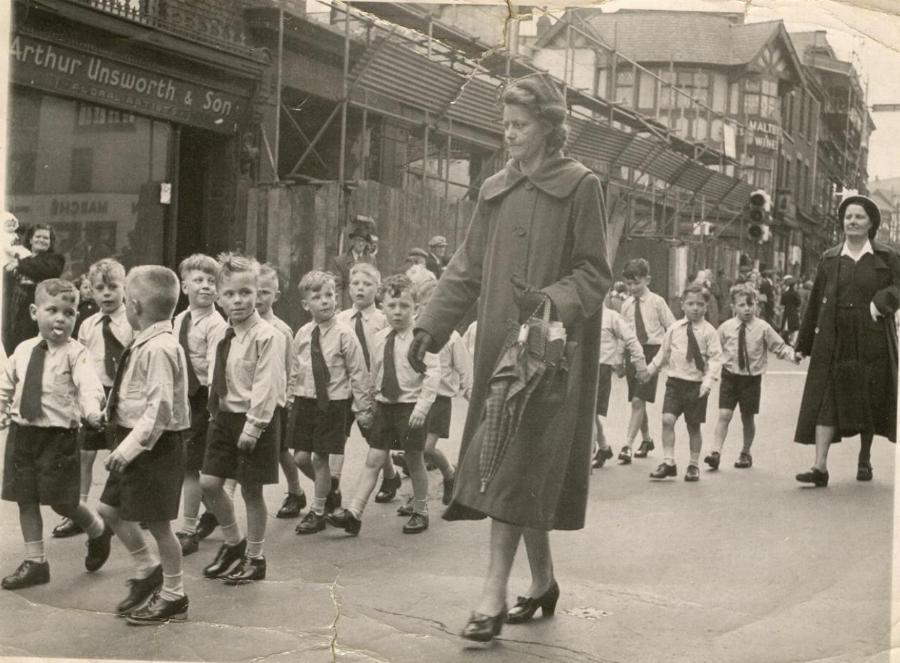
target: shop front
123 153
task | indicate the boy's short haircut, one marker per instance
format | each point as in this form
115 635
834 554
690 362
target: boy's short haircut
395 286
107 270
314 281
199 262
368 269
620 287
235 263
744 290
695 289
54 288
267 270
636 268
424 289
156 288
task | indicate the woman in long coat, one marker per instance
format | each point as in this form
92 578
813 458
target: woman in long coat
848 332
540 224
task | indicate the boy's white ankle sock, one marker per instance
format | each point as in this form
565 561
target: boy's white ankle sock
173 587
97 526
669 460
255 549
357 506
189 525
318 505
83 497
232 534
420 507
34 551
145 561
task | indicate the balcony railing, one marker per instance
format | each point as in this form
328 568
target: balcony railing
216 29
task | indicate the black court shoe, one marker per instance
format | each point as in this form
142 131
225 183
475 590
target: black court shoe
864 472
525 607
484 628
815 476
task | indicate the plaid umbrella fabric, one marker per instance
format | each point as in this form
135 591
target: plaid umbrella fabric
516 376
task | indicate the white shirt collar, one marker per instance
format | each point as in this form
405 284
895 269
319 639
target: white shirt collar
867 248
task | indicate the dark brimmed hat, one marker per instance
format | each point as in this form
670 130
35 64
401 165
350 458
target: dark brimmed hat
416 251
359 232
437 240
868 205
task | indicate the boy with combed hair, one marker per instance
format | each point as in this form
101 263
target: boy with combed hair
43 385
329 374
746 340
197 328
147 411
105 334
247 383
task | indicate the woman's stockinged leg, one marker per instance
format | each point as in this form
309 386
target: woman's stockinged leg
503 546
824 438
865 448
540 560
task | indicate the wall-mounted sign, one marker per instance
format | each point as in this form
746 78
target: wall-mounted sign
761 135
103 80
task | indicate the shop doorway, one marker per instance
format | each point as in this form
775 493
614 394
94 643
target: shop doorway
205 195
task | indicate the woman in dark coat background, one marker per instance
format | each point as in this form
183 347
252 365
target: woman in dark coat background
29 267
848 332
538 233
790 316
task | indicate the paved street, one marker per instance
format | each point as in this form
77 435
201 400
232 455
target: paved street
744 566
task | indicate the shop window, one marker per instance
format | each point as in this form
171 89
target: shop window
82 173
94 182
665 89
760 98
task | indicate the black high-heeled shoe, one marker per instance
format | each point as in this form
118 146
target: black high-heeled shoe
525 606
484 628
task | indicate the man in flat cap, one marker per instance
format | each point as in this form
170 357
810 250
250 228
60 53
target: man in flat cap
340 265
436 259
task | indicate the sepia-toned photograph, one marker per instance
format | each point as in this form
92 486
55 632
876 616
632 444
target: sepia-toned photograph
409 332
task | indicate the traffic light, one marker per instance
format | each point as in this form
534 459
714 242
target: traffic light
757 216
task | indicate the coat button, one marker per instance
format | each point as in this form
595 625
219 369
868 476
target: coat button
529 186
817 330
520 231
824 300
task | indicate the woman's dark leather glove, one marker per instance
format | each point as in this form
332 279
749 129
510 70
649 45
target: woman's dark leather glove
528 298
422 340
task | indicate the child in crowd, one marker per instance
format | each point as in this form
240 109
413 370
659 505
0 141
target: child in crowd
692 355
197 328
617 294
650 317
42 387
247 383
148 409
616 336
745 340
366 320
404 398
86 304
469 338
267 294
456 379
328 368
105 334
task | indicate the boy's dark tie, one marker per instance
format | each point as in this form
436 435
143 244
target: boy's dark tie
321 376
743 356
693 349
30 407
193 382
390 387
113 403
112 349
361 335
639 327
219 385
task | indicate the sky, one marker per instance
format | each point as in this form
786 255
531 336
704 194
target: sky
860 32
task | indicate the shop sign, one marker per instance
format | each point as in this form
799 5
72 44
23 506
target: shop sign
103 80
761 136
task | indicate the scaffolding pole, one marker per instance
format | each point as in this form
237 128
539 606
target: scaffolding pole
345 99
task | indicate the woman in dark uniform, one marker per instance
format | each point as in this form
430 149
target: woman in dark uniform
849 335
537 235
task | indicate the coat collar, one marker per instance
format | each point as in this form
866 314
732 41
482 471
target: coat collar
878 248
558 176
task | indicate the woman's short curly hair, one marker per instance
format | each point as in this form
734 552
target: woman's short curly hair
540 96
